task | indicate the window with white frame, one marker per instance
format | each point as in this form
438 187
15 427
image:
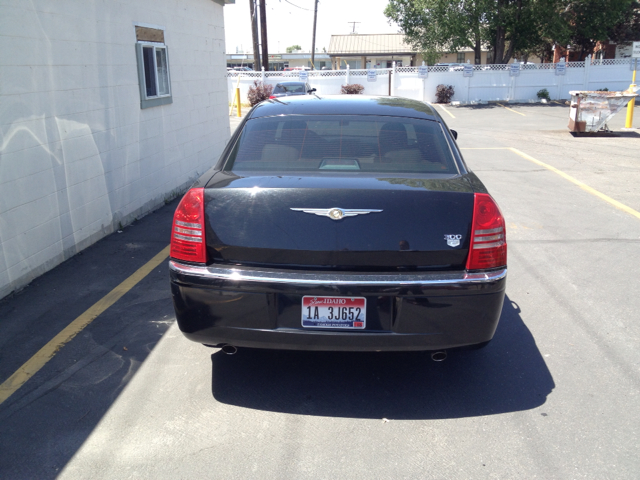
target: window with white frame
153 67
460 58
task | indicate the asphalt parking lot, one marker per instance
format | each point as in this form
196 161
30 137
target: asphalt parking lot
555 395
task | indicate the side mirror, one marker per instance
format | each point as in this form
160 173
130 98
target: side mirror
454 133
311 91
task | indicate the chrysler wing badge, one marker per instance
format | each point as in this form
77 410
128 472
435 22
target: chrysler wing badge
336 213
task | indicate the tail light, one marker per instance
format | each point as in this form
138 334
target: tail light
187 233
271 96
488 246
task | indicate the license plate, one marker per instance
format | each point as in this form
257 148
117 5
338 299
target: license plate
334 312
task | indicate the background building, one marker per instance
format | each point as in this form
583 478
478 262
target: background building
107 110
380 51
280 61
371 51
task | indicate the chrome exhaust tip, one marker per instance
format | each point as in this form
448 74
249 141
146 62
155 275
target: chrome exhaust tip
229 349
439 356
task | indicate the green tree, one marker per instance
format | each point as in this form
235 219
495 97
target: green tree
293 48
522 27
513 27
628 29
436 26
588 22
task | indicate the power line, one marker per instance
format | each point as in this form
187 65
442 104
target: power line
301 8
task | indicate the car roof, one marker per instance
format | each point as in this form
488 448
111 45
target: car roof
292 82
344 105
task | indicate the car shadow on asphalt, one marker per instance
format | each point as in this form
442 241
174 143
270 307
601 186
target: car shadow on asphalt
605 134
508 375
44 423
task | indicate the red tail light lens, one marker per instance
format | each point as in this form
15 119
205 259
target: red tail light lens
272 96
187 233
488 246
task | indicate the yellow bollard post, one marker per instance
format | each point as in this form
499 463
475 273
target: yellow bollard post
238 101
632 102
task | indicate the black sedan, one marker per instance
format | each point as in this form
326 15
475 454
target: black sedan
286 89
339 223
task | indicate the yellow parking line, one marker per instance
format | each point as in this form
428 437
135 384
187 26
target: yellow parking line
512 110
46 353
585 187
442 107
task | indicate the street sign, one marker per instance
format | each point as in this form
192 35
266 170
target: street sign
423 71
371 75
468 70
635 50
303 75
514 70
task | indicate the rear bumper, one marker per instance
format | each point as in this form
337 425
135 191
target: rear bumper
261 308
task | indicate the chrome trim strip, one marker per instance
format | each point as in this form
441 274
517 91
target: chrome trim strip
488 238
237 274
187 239
486 232
187 224
479 246
197 233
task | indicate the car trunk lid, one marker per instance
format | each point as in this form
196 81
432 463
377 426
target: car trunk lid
414 223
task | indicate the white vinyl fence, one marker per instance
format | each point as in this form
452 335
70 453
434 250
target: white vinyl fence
480 83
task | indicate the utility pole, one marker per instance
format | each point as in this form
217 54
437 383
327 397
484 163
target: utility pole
313 42
263 31
254 34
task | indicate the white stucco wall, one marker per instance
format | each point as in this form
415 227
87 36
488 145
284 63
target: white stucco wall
78 156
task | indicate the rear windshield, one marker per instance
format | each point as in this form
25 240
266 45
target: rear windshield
342 143
290 88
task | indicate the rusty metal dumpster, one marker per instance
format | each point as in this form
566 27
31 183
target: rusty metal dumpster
590 111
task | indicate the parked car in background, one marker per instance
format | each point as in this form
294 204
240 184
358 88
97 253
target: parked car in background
286 89
239 69
295 70
339 223
451 66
